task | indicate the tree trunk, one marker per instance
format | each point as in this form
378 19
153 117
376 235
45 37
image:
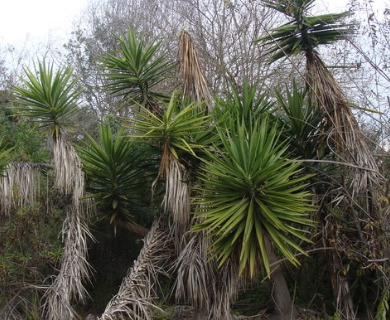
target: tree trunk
284 305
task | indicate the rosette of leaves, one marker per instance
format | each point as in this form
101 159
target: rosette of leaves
118 170
251 194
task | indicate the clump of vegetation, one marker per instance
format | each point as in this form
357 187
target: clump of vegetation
210 202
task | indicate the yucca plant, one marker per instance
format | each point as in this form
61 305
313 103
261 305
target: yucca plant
180 133
199 281
252 198
250 192
302 35
302 124
135 72
49 97
117 170
242 104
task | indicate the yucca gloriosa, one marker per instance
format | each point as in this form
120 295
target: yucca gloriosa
302 35
50 98
182 130
302 124
175 127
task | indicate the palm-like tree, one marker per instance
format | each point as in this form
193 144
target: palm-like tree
179 133
50 97
302 35
116 168
173 127
251 198
135 72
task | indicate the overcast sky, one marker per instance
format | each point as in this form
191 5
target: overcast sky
31 21
36 20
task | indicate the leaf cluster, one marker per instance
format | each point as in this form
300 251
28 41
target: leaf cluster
49 98
303 33
117 172
183 127
250 191
135 71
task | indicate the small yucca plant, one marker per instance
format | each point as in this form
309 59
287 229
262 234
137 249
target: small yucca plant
117 170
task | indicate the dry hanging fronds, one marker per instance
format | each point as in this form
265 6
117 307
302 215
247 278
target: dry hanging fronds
67 167
68 285
200 282
19 186
177 199
136 293
75 270
345 133
195 84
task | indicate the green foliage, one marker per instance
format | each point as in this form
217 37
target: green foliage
302 124
23 137
4 158
303 33
135 72
250 191
50 98
243 104
117 173
29 247
183 128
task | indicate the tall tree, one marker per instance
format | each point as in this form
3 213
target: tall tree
302 34
50 98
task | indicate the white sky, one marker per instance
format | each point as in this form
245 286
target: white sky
32 21
36 20
28 24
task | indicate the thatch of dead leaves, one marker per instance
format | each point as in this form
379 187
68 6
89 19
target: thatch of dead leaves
194 83
176 199
19 186
137 291
68 285
200 282
345 133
